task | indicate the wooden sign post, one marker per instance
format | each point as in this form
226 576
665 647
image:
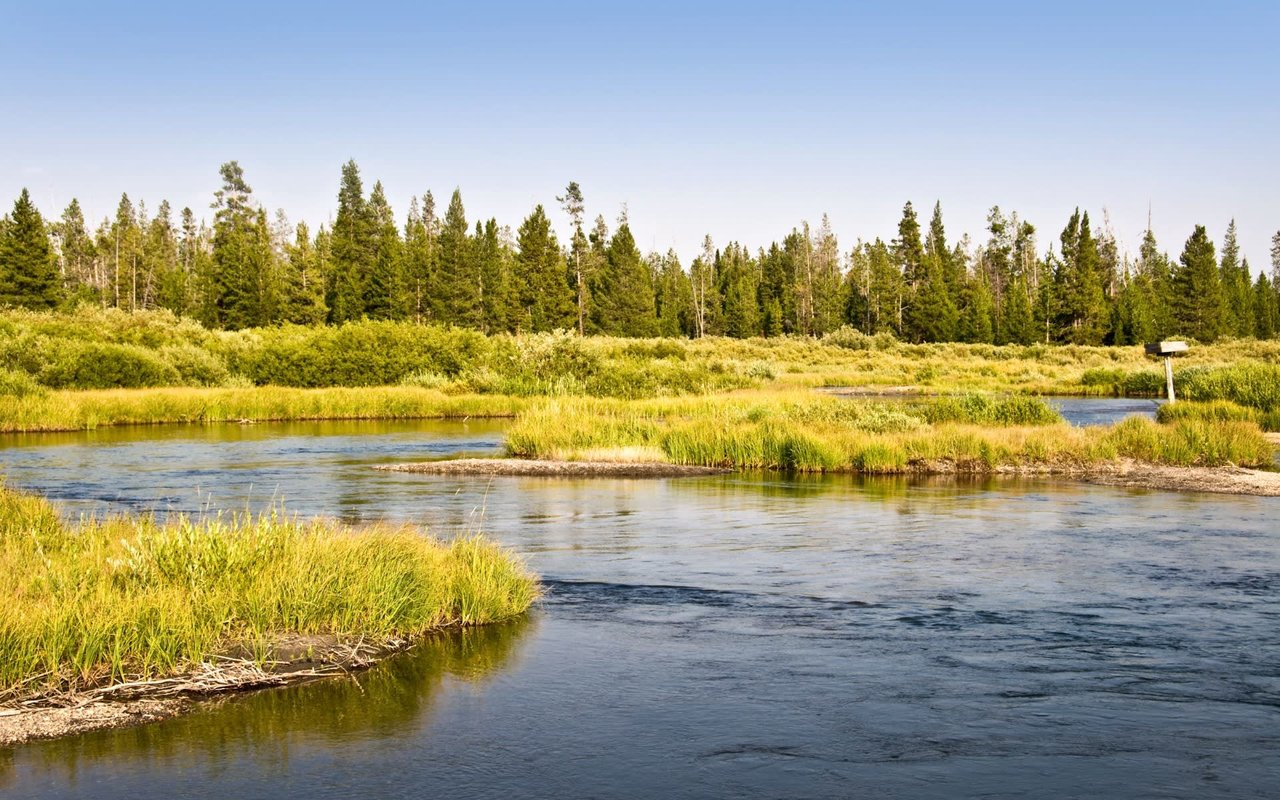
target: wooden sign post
1167 350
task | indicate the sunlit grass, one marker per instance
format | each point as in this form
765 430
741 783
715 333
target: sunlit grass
125 599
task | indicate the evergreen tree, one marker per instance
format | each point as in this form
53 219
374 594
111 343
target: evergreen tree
165 283
1198 289
1081 301
241 248
351 252
385 295
458 289
977 321
737 289
544 298
673 297
932 315
76 254
574 205
303 282
28 273
492 264
1266 308
702 288
624 301
1237 287
421 237
1017 323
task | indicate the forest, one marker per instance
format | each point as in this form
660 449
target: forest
250 269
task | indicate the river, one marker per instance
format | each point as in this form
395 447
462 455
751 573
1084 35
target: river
732 636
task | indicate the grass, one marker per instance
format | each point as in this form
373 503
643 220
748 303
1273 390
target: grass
126 599
808 434
85 410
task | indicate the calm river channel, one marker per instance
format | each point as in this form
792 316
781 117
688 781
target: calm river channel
736 636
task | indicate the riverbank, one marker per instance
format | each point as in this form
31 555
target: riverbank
133 610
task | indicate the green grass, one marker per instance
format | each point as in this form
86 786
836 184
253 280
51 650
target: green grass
793 432
85 410
124 599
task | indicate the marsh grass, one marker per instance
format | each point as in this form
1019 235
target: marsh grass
85 410
784 432
126 599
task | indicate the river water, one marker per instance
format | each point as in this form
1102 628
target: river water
731 636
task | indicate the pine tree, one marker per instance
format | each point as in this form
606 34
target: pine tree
1266 308
544 298
1198 289
28 273
421 237
624 302
673 297
492 264
166 284
302 284
1237 287
737 290
241 248
351 253
977 320
76 254
1017 323
702 287
385 295
1081 301
574 205
458 290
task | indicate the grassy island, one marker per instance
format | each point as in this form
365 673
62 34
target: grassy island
126 601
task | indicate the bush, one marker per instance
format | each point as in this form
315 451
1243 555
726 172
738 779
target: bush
196 367
850 338
14 383
100 365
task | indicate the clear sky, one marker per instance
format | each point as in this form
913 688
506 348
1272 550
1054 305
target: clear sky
736 119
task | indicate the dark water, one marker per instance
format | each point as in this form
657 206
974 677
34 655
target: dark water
740 636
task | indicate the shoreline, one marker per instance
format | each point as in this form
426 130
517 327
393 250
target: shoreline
297 659
1127 473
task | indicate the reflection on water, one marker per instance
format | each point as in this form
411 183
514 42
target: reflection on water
740 635
240 738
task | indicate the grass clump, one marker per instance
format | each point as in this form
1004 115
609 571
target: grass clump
127 599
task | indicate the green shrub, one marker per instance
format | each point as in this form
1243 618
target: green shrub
14 383
101 365
195 366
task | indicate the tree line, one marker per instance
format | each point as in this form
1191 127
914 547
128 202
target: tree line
252 270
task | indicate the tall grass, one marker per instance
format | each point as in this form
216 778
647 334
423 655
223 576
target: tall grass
123 598
758 431
72 411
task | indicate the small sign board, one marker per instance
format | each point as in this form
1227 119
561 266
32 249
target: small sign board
1166 348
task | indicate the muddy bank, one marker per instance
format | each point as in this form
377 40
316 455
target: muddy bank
293 660
560 469
1219 480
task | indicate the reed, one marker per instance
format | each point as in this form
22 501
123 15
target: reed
124 599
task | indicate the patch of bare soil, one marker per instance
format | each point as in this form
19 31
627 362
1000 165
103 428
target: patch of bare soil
1219 480
293 659
559 469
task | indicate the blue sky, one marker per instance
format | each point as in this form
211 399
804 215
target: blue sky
735 119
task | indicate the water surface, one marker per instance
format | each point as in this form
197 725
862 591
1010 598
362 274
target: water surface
735 636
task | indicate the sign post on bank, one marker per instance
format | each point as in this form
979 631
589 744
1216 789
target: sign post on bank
1167 350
